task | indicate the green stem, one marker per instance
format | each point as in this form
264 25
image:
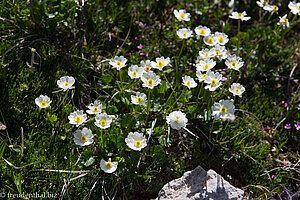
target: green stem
238 37
176 61
200 91
183 91
121 81
148 107
101 137
167 80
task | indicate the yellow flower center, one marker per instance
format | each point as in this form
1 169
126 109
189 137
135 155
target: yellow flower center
103 122
214 82
119 63
108 164
134 73
206 66
240 15
150 82
298 7
78 119
83 138
285 20
206 54
210 40
203 75
147 68
202 31
138 143
182 15
66 84
218 52
95 109
177 120
234 64
160 64
237 90
139 100
265 3
184 34
275 8
44 103
188 83
221 39
223 110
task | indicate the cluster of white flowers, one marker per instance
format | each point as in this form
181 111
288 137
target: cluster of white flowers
283 21
206 62
144 73
268 7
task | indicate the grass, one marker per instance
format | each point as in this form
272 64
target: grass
43 41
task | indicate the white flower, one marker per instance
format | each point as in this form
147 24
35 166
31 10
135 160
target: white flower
66 82
77 117
222 38
136 141
118 62
95 108
43 101
205 54
160 63
83 137
177 120
184 33
108 167
220 52
241 16
237 89
182 15
210 40
224 110
234 62
135 71
262 3
146 65
189 82
200 76
139 99
150 80
81 2
284 21
213 80
271 8
295 8
103 120
205 65
202 30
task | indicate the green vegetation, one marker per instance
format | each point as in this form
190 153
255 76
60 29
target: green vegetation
42 41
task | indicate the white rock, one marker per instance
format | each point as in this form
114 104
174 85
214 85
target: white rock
200 185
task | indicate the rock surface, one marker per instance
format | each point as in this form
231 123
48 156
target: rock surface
200 185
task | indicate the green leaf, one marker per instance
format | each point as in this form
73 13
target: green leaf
106 78
159 156
192 108
2 148
217 128
53 118
89 162
111 110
